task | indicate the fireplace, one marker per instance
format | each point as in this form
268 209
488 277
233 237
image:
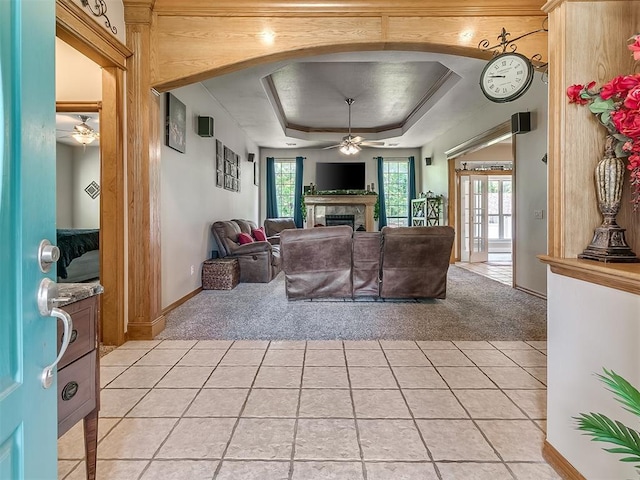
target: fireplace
333 220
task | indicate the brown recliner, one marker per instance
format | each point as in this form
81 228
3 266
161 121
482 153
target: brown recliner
406 262
259 261
317 262
415 261
273 227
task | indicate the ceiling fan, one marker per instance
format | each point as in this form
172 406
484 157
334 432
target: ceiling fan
350 145
83 133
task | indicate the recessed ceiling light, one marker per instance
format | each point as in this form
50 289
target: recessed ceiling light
291 144
393 144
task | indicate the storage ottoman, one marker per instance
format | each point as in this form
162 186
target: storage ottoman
220 274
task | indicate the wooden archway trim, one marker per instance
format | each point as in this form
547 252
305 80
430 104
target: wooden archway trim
82 33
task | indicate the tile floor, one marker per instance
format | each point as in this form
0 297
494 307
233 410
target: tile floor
318 410
498 271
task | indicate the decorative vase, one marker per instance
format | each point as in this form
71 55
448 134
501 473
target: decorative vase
608 243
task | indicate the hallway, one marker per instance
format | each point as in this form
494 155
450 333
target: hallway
372 410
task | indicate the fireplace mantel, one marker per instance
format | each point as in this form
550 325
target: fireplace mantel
368 201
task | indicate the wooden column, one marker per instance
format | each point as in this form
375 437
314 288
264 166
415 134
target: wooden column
112 191
143 178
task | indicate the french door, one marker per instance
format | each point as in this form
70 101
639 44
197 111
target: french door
475 218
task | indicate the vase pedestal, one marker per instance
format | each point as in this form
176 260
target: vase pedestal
609 246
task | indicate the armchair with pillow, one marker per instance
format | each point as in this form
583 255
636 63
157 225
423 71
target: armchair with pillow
259 260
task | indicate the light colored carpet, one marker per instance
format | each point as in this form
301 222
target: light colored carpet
476 308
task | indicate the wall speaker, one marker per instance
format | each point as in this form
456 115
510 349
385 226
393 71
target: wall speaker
521 122
427 161
251 157
205 126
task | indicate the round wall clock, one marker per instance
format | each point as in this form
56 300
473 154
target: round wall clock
506 77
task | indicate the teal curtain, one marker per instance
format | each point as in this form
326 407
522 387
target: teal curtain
272 199
412 185
297 203
382 208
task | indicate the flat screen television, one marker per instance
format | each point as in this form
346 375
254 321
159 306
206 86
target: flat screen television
340 176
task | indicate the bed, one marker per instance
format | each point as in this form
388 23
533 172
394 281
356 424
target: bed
79 255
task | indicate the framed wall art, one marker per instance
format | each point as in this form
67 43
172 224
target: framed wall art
176 125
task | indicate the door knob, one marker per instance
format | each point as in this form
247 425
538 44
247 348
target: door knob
47 299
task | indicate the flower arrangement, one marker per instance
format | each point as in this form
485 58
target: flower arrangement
616 104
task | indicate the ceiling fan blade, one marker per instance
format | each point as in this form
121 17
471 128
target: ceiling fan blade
332 146
372 144
357 139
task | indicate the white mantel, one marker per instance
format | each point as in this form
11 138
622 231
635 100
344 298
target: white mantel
368 201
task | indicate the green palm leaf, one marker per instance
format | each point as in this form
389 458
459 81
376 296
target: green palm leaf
626 393
603 429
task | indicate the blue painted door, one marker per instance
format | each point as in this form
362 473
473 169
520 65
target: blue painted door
28 415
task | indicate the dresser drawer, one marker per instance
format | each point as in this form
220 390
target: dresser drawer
83 336
76 391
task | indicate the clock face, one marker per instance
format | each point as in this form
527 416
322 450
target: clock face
506 77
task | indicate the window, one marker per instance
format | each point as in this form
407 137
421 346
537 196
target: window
499 208
285 186
396 192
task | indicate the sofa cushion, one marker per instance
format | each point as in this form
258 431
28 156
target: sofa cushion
317 262
245 225
244 238
415 261
258 234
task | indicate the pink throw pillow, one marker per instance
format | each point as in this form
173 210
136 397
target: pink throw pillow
244 238
259 235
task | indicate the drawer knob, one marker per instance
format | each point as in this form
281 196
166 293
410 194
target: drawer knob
73 338
69 391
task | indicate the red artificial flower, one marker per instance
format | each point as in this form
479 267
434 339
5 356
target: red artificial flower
635 47
632 102
573 92
619 86
627 122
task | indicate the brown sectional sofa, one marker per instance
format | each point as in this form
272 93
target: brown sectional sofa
259 261
335 262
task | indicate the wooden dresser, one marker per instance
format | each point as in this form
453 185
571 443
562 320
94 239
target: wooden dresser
79 368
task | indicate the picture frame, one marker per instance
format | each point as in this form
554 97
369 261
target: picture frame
176 124
256 174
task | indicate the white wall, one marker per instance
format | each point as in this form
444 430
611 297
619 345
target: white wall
189 199
313 156
77 77
64 186
86 169
530 175
75 169
590 327
115 12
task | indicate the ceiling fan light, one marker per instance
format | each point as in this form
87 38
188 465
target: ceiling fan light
84 138
349 149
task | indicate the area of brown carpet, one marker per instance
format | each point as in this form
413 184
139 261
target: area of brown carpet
476 308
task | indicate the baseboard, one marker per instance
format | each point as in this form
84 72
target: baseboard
560 464
531 292
145 330
180 301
